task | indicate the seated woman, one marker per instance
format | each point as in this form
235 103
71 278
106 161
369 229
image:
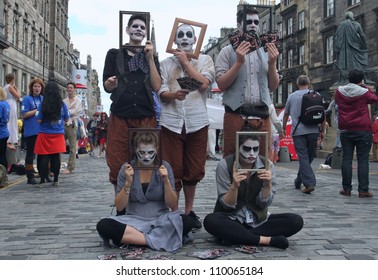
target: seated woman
145 199
241 212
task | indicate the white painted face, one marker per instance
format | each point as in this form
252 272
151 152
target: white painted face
146 154
252 22
137 30
185 38
249 151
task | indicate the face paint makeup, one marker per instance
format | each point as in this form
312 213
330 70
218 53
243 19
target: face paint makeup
185 38
137 31
252 23
249 151
146 154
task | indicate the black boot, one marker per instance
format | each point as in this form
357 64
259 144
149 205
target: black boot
32 181
29 169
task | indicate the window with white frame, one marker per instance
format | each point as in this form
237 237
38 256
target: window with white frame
289 88
301 20
289 58
329 49
354 2
329 8
301 51
279 29
290 26
279 94
279 62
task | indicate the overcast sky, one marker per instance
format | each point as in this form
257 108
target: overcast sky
94 24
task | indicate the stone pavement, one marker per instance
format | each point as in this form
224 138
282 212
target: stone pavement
59 223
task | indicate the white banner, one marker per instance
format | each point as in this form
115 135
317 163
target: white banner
189 269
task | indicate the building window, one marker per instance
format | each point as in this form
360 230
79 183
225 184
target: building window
25 36
15 30
24 84
264 27
329 49
279 94
279 29
289 58
353 2
290 26
329 8
301 20
301 54
279 62
289 87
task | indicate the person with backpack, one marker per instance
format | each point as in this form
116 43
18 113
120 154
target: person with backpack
308 120
356 126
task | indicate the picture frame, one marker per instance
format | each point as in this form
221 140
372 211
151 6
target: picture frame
201 27
158 160
124 17
263 136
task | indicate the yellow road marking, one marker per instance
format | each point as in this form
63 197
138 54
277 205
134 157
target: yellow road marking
15 182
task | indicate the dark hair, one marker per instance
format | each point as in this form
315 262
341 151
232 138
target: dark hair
134 17
52 103
145 138
248 11
245 137
355 76
71 83
36 81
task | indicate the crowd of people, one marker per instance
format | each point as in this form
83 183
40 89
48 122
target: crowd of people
37 136
151 160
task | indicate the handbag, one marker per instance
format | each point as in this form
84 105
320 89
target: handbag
261 111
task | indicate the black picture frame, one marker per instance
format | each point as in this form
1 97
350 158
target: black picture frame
158 160
124 17
260 135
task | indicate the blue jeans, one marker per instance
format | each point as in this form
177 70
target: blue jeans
362 140
305 146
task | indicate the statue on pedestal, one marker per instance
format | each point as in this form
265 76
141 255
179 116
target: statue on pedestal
350 47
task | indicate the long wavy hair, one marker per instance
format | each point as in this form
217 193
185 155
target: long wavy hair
52 103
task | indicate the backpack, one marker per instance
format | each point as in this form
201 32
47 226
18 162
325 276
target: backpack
312 110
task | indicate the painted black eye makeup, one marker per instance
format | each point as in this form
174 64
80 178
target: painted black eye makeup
256 22
138 26
248 149
181 34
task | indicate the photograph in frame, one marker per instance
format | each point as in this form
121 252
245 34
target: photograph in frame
199 30
124 17
263 138
158 159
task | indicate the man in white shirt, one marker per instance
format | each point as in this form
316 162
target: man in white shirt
184 120
70 129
